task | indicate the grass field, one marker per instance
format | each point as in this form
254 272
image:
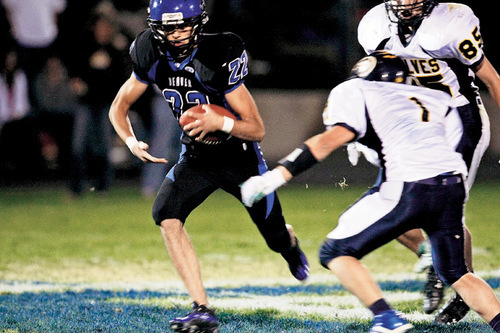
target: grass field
98 264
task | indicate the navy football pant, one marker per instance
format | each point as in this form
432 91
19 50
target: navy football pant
187 185
381 216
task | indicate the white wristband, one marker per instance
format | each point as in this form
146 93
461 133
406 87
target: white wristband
131 142
228 125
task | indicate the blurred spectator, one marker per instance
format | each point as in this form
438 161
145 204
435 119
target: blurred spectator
53 90
96 75
132 15
56 103
5 35
19 148
14 103
34 28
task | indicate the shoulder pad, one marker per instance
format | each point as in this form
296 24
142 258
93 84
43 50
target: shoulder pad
452 30
144 53
452 16
373 28
220 47
224 58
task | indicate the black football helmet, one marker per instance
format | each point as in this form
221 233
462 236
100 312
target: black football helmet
168 15
409 12
382 66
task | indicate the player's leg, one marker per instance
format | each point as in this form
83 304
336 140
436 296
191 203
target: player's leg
181 192
474 142
412 240
184 259
468 248
472 145
279 236
357 235
268 217
416 241
295 257
356 278
183 256
478 295
447 239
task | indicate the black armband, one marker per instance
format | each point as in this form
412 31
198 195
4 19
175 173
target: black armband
299 160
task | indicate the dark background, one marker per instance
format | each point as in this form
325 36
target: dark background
293 45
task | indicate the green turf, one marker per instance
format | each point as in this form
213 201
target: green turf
46 236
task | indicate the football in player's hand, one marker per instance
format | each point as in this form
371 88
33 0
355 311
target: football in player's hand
212 138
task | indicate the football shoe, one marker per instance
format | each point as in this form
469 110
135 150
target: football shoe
297 261
390 321
201 320
424 257
433 291
452 312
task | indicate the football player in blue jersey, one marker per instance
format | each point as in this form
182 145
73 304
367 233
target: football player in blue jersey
192 68
442 44
423 185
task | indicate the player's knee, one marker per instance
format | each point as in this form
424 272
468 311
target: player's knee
157 213
330 250
449 277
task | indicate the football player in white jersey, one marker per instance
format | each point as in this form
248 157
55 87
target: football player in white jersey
423 186
442 46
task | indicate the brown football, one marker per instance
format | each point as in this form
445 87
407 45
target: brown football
212 138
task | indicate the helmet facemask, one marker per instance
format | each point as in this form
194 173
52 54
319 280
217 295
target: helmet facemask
409 14
161 31
167 20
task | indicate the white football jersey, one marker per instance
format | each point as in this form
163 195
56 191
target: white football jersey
404 123
441 52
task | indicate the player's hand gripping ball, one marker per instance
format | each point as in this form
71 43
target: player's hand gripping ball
212 138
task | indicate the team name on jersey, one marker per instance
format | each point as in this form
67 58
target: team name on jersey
423 66
179 81
427 73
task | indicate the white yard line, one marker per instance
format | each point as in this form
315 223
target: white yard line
300 305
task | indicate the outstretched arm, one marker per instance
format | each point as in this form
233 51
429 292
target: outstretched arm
128 94
315 149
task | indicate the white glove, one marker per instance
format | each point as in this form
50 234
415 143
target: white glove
256 188
354 151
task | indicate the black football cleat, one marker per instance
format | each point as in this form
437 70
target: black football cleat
433 291
452 312
201 320
297 261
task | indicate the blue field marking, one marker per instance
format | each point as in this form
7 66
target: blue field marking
90 311
94 310
322 289
87 311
